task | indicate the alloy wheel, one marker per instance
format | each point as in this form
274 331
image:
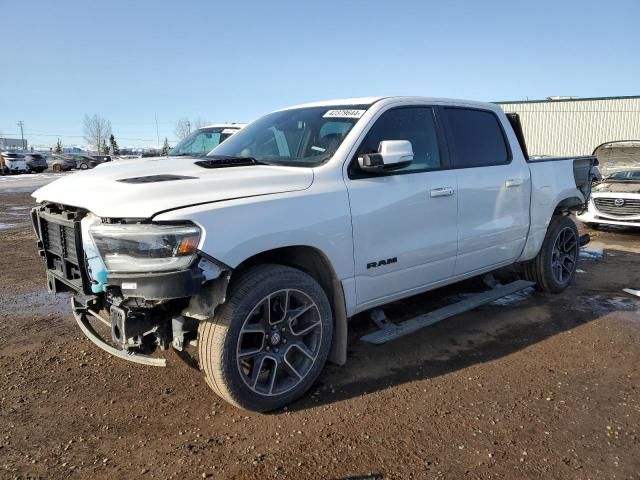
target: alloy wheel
279 342
565 255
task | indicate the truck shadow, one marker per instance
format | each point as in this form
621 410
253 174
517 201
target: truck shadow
478 336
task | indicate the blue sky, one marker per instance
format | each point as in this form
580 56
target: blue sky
129 61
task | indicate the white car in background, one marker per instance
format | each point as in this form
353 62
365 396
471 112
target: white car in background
205 139
615 201
11 162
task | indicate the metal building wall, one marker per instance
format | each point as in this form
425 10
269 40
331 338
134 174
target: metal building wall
576 127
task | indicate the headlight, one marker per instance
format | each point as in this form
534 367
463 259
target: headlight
145 248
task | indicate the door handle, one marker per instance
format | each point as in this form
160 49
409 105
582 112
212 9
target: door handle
514 182
441 192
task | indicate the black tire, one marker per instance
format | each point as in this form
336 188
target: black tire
544 268
229 371
57 168
83 166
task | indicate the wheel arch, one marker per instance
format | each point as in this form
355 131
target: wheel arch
568 204
314 263
541 218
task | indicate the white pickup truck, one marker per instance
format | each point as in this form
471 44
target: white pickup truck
261 251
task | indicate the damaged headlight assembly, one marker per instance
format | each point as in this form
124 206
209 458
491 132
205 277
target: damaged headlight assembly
145 248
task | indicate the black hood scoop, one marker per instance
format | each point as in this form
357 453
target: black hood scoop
156 178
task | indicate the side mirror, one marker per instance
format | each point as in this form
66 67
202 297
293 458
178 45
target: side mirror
392 155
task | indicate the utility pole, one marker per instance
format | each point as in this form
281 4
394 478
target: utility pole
21 125
188 127
157 133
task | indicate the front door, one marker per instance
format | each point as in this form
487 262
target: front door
404 222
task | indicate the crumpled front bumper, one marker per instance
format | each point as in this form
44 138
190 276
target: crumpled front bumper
82 313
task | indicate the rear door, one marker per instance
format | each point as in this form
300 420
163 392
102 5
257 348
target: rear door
494 188
404 222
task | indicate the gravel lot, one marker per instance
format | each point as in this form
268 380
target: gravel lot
543 386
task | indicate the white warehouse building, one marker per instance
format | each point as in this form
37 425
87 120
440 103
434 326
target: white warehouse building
564 126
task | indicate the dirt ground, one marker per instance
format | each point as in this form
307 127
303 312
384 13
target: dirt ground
544 386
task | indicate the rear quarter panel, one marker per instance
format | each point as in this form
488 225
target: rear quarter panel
552 182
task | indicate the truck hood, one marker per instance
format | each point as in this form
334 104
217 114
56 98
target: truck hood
141 189
617 187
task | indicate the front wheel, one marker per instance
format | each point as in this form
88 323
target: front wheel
555 265
269 341
83 166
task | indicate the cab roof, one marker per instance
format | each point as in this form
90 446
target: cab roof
372 100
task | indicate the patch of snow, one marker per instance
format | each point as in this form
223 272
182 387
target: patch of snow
591 253
604 304
6 226
631 291
579 270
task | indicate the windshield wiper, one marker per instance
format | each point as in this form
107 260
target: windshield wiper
222 161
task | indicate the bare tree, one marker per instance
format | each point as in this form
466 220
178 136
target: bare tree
183 128
96 130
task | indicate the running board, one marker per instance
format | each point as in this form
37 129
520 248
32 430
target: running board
392 331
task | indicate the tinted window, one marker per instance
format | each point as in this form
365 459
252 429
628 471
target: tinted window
415 124
476 137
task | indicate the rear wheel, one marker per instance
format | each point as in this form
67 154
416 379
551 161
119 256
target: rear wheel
57 168
555 265
269 341
83 166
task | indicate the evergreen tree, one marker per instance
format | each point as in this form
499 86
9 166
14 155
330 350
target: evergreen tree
58 147
165 148
105 148
115 150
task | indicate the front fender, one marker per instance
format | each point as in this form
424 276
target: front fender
239 229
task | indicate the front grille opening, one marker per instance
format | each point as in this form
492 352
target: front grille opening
60 243
618 207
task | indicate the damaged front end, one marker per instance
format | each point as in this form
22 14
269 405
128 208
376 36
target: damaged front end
148 283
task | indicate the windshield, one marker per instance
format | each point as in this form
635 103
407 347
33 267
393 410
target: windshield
303 137
626 176
202 141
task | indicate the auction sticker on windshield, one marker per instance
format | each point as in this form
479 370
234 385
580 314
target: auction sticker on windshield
343 114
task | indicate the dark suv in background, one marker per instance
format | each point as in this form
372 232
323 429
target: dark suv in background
36 162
